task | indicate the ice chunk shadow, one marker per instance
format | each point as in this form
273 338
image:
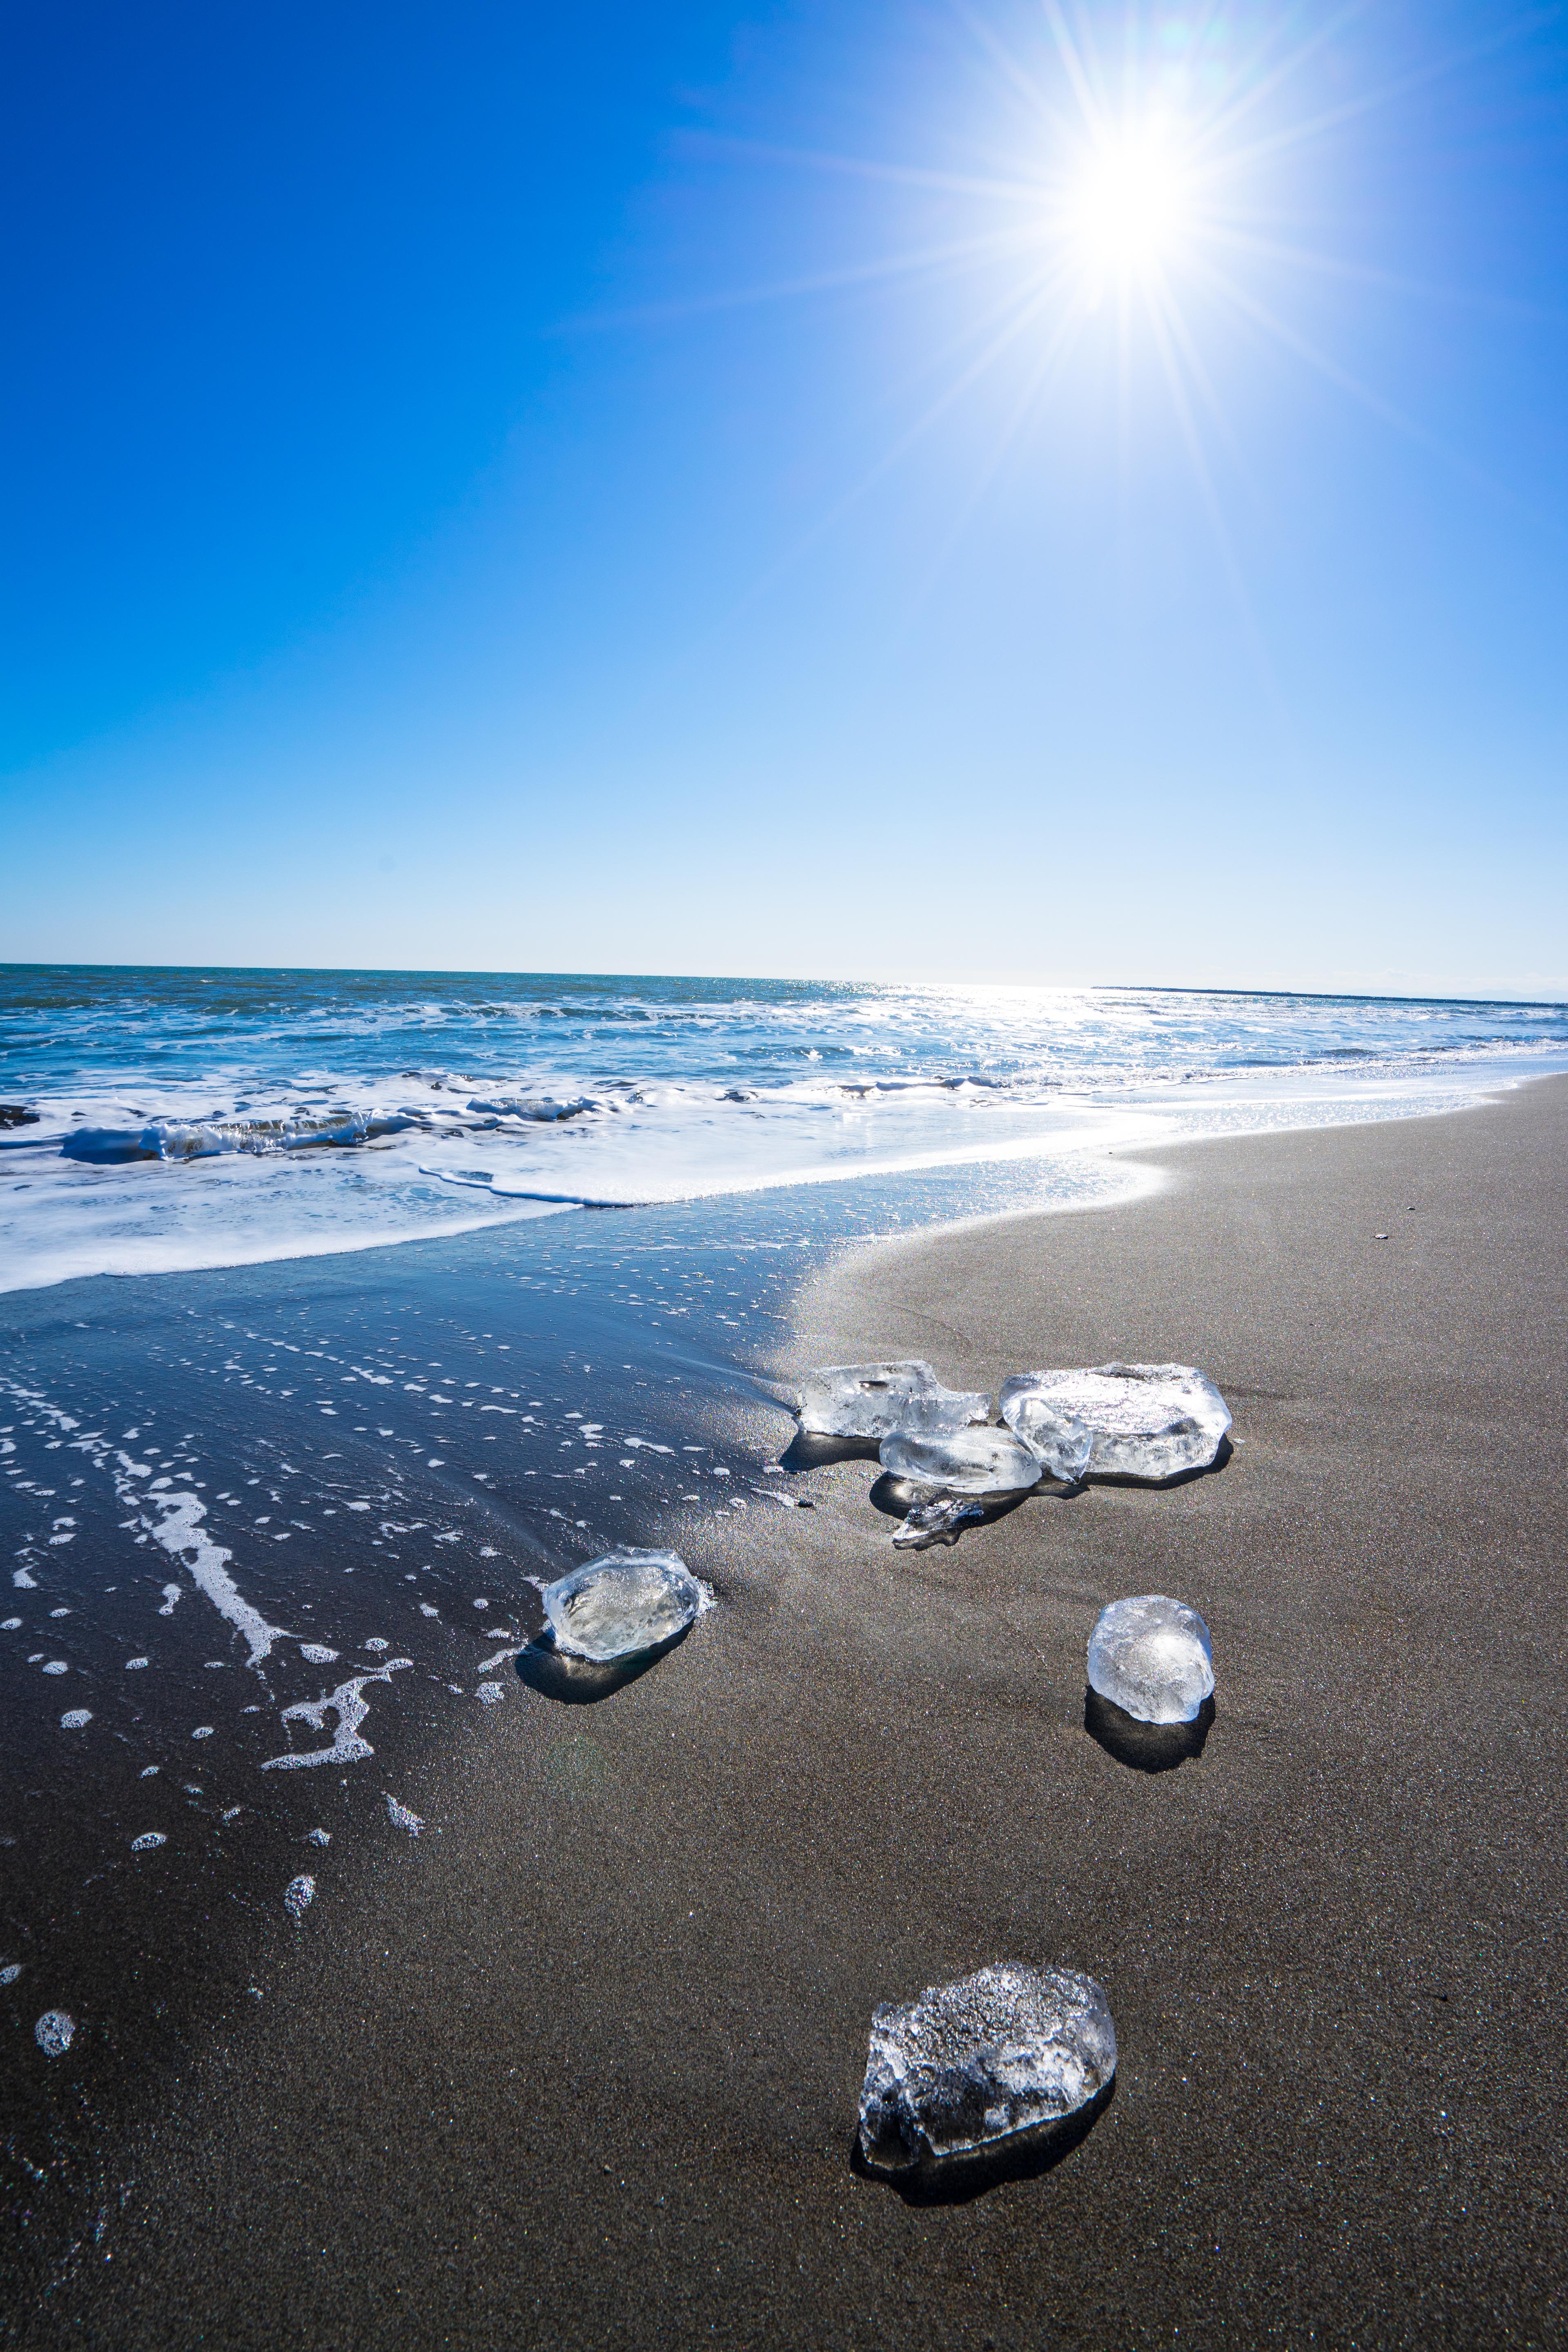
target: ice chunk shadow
807 1451
1145 1747
1223 1454
1023 2156
584 1682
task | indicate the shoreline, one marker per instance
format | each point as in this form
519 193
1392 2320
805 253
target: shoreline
583 2064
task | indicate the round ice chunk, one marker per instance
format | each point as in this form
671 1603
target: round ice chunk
969 2068
969 1462
54 2032
299 1895
619 1606
1144 1421
868 1401
1153 1658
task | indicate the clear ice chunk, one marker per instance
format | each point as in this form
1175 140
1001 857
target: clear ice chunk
1149 1421
870 1401
948 1473
967 1462
618 1607
971 2069
1153 1658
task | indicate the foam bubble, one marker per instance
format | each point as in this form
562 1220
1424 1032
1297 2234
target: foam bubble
55 2032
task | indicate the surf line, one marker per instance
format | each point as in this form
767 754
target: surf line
516 1193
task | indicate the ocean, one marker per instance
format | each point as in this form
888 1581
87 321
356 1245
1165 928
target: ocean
190 1118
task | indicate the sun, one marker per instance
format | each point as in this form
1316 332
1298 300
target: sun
1130 207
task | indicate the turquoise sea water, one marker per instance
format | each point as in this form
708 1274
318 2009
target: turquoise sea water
190 1118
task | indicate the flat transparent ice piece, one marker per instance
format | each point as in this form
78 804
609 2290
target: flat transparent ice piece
870 1401
1010 2052
948 1473
967 1462
619 1606
1152 1657
1145 1421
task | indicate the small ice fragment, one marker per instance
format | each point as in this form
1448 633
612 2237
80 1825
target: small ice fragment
426 1610
148 1772
10 1972
400 1816
1152 1657
203 1731
968 2068
317 1652
936 1521
75 1719
489 1693
234 1812
621 1605
869 1400
147 1841
171 1600
57 1666
318 1837
1148 1421
10 1624
299 1895
375 1642
133 1665
54 2032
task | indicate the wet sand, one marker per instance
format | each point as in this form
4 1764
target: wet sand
579 2066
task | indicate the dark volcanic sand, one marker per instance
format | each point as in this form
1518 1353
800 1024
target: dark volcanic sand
581 2069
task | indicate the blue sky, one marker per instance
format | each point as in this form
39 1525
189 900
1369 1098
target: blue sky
696 490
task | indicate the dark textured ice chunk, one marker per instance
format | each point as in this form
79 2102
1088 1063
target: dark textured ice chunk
618 1607
1149 1422
870 1401
1152 1657
974 2069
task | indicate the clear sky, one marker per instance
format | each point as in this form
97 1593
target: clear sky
845 488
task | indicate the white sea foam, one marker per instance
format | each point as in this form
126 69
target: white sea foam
349 1707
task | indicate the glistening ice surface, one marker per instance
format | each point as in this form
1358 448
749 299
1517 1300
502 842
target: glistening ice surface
188 1119
872 1400
1152 1657
971 1462
971 2066
619 1606
1142 1421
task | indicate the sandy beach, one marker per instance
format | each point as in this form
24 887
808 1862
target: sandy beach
579 2066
